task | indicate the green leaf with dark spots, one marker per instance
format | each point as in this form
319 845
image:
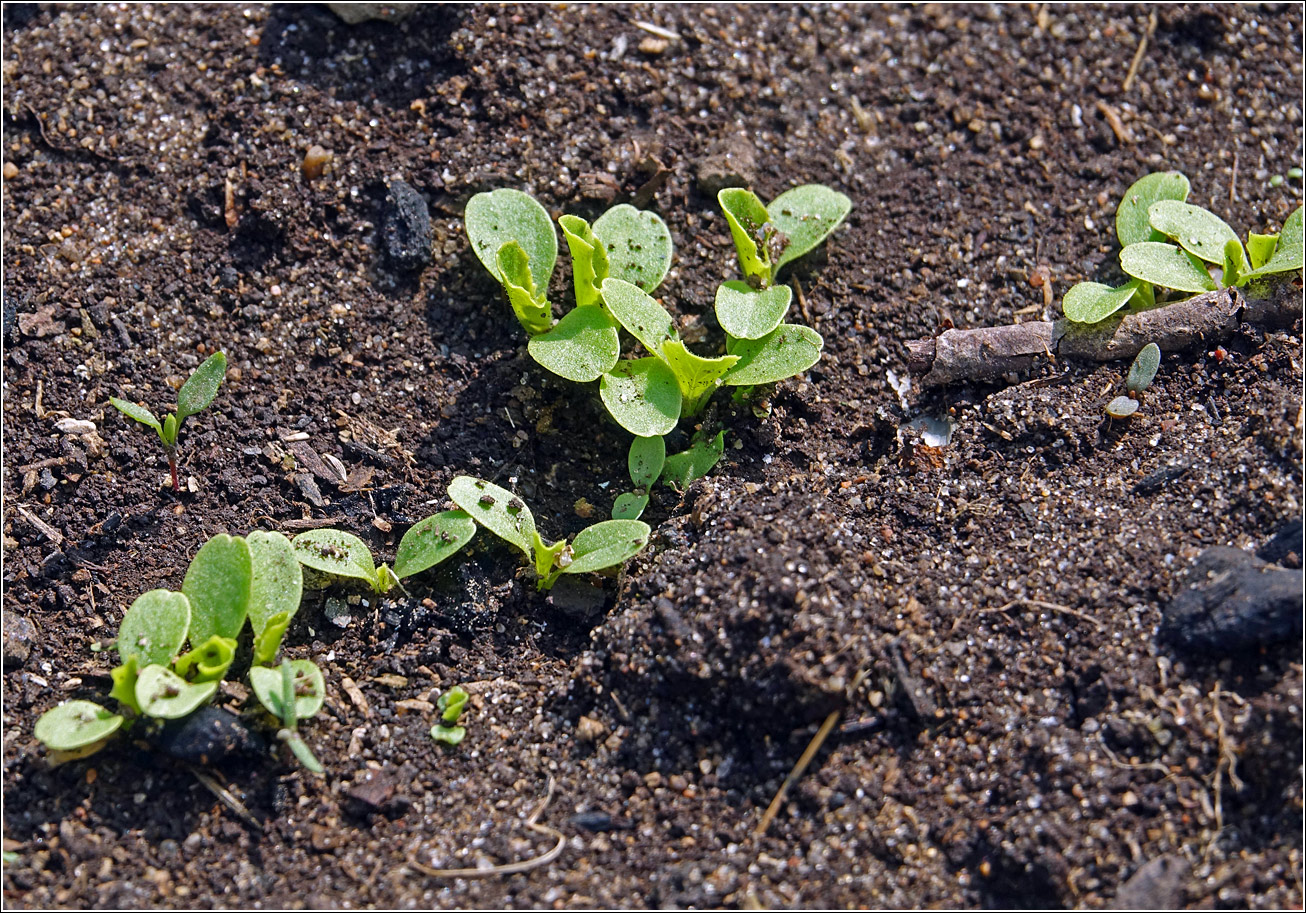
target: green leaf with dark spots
218 584
645 459
1144 368
1203 234
75 725
683 468
501 216
336 553
201 387
1167 266
1132 222
154 628
748 313
433 540
805 216
642 395
748 219
165 695
637 245
642 316
787 350
583 346
497 509
606 544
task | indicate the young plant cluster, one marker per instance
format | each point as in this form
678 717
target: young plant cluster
616 265
1169 243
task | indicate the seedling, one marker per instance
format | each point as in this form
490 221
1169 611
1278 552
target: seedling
703 453
293 691
451 705
767 238
644 462
514 238
338 554
1141 374
195 395
603 545
1168 242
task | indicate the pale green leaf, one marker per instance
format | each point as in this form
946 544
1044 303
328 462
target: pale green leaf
449 735
497 509
208 662
336 553
637 244
698 377
589 263
748 313
528 302
683 468
642 316
433 540
165 695
278 579
629 504
787 350
583 346
201 387
1198 231
1260 248
1235 265
1121 407
1167 266
139 413
494 219
748 219
268 641
1132 224
645 459
154 628
1092 302
1143 370
642 395
606 544
1288 256
218 584
75 724
806 216
308 683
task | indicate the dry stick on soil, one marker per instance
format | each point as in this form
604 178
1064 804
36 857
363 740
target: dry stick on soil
515 868
1050 606
1138 54
812 748
226 798
991 352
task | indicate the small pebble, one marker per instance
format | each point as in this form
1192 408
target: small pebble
315 161
11 171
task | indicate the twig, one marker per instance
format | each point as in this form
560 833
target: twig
991 352
656 30
514 868
1038 603
1138 54
226 798
44 528
812 748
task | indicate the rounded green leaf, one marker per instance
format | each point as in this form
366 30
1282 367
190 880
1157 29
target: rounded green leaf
1167 266
1121 407
154 628
1143 370
450 735
201 387
431 541
277 585
747 218
629 504
164 694
309 685
606 544
637 244
806 215
1092 302
683 468
76 724
1203 234
497 509
138 413
218 584
645 459
747 313
337 553
787 350
1288 256
494 219
208 662
643 396
583 346
1132 224
642 317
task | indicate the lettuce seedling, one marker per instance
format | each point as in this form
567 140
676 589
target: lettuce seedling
293 691
603 545
703 453
767 238
339 554
513 237
1141 374
644 462
451 705
195 395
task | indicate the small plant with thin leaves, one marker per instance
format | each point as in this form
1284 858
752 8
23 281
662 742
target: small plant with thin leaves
1141 374
768 238
195 395
607 544
1171 244
337 555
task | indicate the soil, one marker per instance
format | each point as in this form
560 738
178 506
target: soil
979 617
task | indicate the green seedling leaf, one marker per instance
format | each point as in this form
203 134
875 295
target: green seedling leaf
629 505
207 663
643 396
748 221
787 350
698 377
1235 265
268 641
1203 234
308 683
431 541
642 317
502 216
76 725
528 302
165 695
139 413
277 584
124 684
582 347
1092 302
451 704
1260 248
645 459
746 313
1166 265
218 584
154 628
1121 407
169 432
606 544
201 387
1132 222
498 510
337 554
683 468
806 215
450 735
1144 368
1288 256
549 560
589 263
637 245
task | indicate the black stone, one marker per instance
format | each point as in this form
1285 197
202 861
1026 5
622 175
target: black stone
208 736
406 228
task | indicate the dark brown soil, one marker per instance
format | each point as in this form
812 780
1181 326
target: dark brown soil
981 616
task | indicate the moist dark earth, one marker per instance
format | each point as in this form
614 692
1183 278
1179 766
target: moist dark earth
977 619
